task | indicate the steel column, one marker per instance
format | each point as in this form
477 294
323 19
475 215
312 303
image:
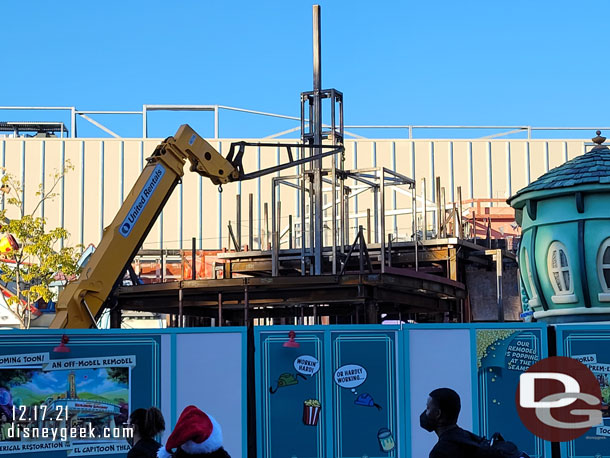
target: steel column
250 221
499 298
303 194
238 217
425 211
333 226
219 309
414 214
382 218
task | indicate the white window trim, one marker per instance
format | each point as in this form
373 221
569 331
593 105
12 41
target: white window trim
534 301
604 296
565 296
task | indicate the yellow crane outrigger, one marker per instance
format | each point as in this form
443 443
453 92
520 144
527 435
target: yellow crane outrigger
81 301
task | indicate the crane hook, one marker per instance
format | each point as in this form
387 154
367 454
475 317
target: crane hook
220 188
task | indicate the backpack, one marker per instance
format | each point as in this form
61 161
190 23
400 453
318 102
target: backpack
497 447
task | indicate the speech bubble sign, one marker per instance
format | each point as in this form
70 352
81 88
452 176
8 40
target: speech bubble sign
307 365
350 376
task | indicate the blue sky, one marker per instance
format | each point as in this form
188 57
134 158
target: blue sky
397 62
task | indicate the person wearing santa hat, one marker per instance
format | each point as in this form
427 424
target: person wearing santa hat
196 435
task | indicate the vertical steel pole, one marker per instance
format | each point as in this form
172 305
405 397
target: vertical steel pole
499 285
273 229
461 213
180 307
220 309
303 196
278 226
246 303
73 122
251 221
342 214
275 260
382 218
333 226
290 232
376 213
194 258
312 237
425 210
414 213
317 138
443 212
238 222
437 192
394 207
266 216
368 226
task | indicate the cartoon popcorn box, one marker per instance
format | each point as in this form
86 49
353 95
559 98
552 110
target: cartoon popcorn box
311 412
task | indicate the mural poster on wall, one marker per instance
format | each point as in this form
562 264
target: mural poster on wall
77 405
67 404
502 356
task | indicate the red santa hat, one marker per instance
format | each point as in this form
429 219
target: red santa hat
195 433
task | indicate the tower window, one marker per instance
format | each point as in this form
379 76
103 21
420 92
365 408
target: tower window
560 274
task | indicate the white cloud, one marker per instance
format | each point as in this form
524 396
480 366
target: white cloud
85 382
36 389
107 385
49 377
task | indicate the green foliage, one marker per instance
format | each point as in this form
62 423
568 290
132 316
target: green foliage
606 395
118 374
14 377
41 254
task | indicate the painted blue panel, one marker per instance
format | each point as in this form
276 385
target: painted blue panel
364 396
502 356
291 401
582 340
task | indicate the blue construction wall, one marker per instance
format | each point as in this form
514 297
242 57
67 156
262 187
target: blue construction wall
346 391
590 344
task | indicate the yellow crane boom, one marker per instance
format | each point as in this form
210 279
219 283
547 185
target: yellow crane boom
81 302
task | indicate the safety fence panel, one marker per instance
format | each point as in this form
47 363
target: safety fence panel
589 344
335 395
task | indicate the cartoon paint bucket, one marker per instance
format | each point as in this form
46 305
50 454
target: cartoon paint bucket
386 440
311 412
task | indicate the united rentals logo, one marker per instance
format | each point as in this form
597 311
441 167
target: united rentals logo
138 207
559 399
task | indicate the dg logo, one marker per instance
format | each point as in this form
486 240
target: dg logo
559 399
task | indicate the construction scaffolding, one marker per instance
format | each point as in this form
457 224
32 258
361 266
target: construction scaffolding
321 265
